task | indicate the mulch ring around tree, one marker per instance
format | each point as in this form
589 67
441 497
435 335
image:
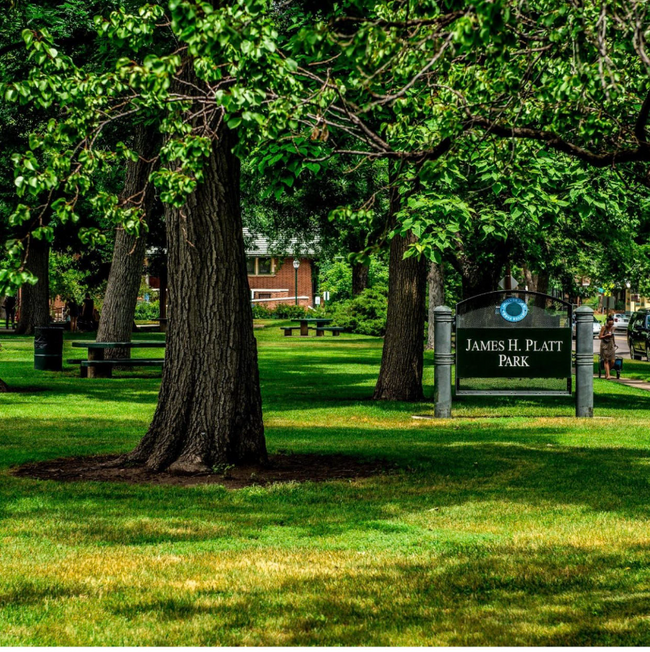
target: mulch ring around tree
288 467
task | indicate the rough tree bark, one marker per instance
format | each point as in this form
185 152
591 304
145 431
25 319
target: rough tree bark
542 282
402 361
542 286
209 407
530 279
118 312
360 272
436 281
479 275
35 299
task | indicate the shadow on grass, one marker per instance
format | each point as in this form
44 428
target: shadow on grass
550 596
441 469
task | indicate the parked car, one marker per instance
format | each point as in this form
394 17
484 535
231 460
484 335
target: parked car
595 328
621 321
638 334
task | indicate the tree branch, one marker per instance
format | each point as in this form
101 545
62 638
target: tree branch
552 140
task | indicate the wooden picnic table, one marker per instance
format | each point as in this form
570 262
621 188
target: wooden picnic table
96 354
304 324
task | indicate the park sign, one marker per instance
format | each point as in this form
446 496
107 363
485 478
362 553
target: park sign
513 336
513 343
491 353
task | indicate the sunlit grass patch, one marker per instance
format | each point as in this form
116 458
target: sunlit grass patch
512 523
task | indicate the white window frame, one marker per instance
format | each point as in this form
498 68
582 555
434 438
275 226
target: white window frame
257 266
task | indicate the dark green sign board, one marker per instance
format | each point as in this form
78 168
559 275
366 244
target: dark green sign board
513 336
513 353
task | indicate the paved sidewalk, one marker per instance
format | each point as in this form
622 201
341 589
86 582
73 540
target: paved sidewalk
637 384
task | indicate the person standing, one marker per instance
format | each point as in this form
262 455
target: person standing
10 311
608 346
72 308
87 312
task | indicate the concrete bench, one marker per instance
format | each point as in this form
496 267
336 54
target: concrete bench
124 362
98 367
335 330
288 330
83 371
107 366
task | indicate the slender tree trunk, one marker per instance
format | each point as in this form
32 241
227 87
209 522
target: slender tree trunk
400 376
436 281
542 282
35 299
542 286
360 272
530 280
118 312
209 407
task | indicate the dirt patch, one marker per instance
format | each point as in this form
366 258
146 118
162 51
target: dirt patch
280 468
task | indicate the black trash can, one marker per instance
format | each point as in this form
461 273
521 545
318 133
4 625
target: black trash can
48 348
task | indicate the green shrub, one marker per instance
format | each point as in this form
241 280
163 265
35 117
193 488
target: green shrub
365 314
289 311
147 310
260 311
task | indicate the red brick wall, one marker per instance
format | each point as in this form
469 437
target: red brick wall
284 279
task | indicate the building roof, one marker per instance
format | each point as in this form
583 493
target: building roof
257 245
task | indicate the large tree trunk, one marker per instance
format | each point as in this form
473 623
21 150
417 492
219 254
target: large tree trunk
209 407
118 312
436 281
35 299
360 272
402 361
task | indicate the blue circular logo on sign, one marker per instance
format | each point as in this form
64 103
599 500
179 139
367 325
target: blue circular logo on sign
513 309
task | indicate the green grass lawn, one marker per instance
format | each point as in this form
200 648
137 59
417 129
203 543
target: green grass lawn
513 523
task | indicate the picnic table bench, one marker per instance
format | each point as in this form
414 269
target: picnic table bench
335 330
97 367
304 326
288 330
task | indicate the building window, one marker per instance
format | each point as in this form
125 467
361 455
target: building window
260 266
264 295
265 266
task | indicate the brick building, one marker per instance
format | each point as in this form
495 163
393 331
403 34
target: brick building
271 272
272 275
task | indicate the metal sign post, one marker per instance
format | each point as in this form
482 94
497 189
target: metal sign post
584 362
443 359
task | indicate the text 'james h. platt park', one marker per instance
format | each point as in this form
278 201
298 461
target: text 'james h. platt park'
507 346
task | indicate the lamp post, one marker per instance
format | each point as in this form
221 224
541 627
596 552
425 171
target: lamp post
296 264
628 295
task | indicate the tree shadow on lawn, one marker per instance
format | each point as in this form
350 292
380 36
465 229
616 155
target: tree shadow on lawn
505 595
517 468
547 596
